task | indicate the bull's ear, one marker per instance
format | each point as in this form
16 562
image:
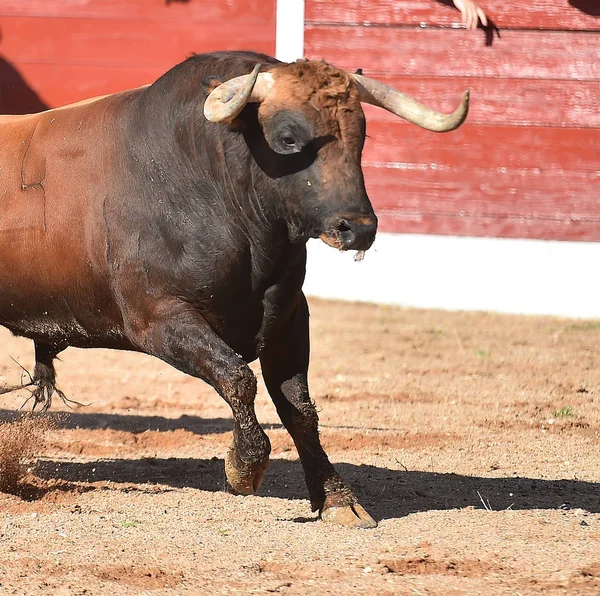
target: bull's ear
209 84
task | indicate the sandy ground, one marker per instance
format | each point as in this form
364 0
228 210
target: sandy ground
471 438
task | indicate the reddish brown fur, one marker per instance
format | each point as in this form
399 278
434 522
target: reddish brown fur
329 98
318 83
328 90
50 203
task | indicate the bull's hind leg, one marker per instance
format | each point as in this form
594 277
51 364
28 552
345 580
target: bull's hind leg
44 376
284 364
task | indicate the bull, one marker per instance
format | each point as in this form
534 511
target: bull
172 220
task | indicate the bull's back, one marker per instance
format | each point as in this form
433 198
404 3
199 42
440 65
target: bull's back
55 172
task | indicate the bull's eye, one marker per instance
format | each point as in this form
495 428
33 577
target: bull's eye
288 143
287 131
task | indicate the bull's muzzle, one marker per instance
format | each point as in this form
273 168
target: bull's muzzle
351 233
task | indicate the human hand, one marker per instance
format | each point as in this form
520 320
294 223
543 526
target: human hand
471 13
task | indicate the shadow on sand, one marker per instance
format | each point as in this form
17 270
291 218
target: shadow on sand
138 424
385 493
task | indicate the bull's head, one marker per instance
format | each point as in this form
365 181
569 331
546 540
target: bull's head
313 132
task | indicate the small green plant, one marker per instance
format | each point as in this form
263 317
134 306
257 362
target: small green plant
223 532
585 326
130 523
565 412
482 353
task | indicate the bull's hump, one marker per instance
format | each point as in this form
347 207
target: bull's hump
84 102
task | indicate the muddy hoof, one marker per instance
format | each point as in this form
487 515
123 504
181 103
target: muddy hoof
351 516
245 482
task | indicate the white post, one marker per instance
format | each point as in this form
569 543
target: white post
289 36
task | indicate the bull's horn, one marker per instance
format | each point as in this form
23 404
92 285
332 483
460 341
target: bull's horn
226 101
410 109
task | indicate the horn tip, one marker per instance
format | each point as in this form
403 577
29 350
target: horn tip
464 106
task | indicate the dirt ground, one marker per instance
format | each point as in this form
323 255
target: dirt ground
471 438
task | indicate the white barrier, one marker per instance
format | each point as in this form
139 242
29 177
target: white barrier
457 273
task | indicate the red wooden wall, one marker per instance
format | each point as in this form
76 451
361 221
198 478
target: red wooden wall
55 52
527 162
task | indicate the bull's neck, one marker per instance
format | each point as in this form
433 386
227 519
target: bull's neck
204 175
193 156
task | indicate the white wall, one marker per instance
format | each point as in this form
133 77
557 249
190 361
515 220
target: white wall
456 273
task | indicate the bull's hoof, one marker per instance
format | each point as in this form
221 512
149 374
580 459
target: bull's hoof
351 516
248 480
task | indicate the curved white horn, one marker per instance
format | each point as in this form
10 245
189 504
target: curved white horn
379 94
227 101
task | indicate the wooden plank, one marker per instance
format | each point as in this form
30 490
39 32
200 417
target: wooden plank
482 146
515 102
536 14
556 194
110 42
566 205
217 11
489 226
437 52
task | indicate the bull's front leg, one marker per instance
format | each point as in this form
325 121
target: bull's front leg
188 343
284 362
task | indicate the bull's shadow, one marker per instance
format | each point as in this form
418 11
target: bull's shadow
590 7
16 96
134 423
386 493
138 424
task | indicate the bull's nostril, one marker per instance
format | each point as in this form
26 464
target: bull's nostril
343 226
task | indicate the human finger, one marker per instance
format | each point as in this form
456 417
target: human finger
482 17
472 17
